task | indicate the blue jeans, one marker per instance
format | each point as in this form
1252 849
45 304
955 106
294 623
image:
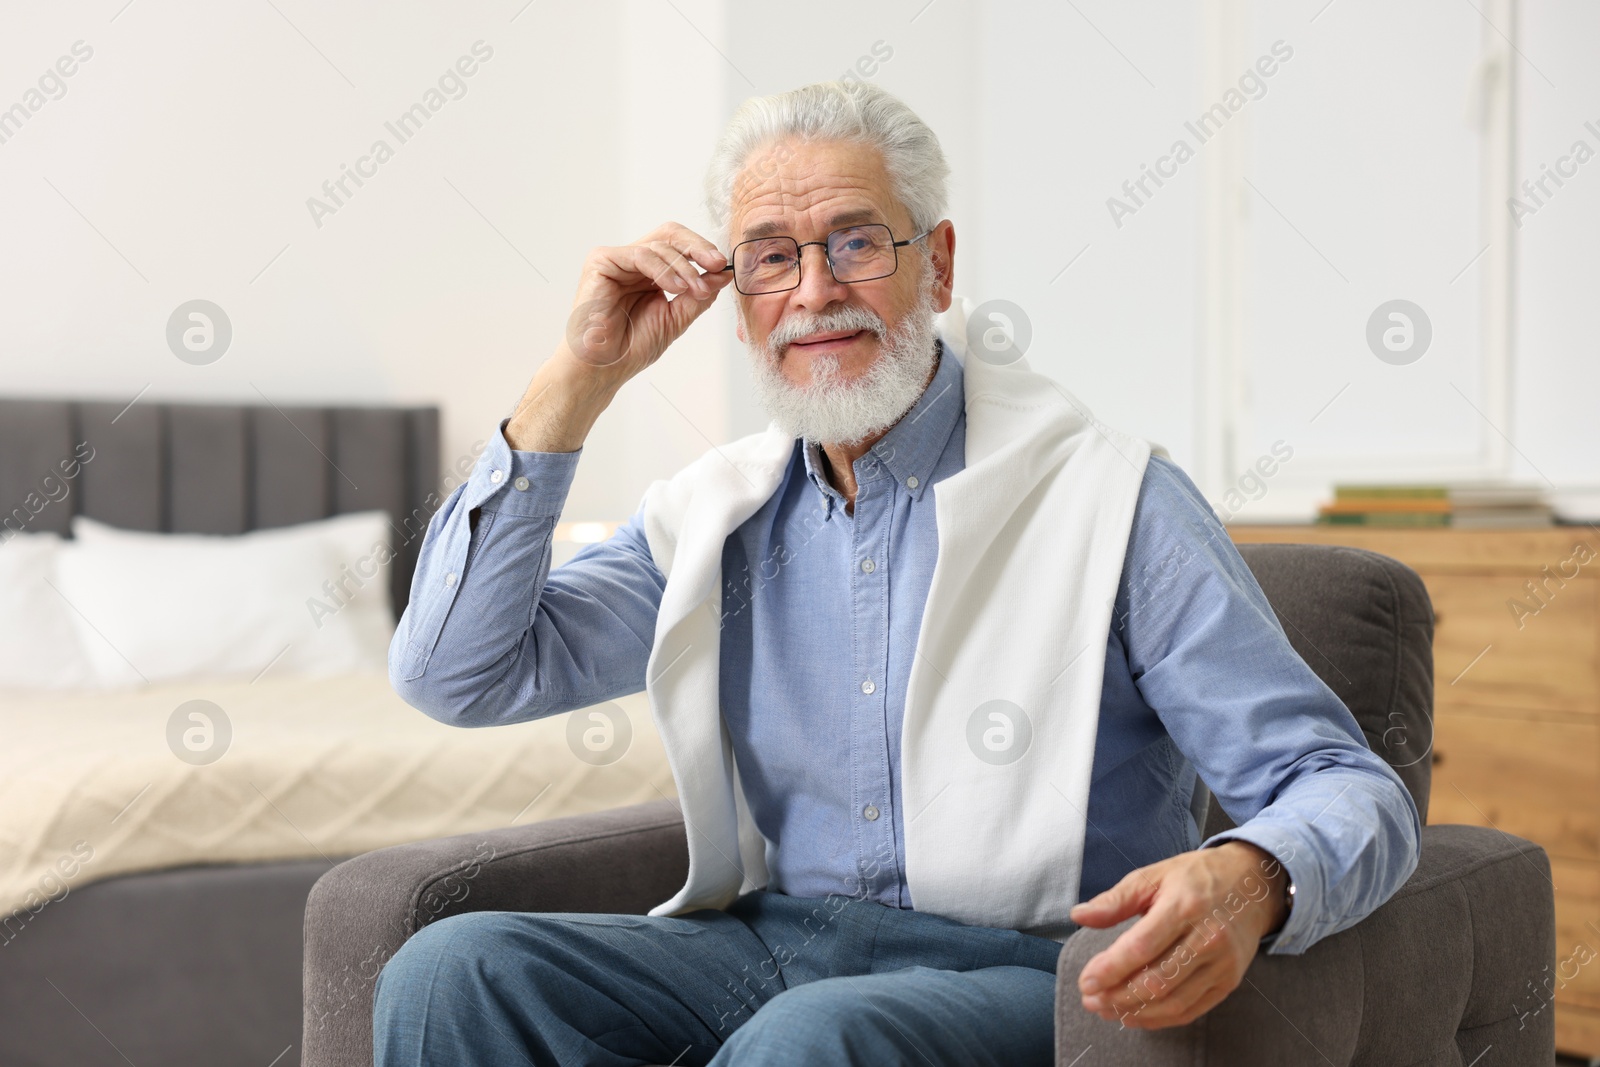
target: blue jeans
771 980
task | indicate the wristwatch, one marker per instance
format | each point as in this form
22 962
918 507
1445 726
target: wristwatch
1288 909
1288 901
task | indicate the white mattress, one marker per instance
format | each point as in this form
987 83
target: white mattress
317 767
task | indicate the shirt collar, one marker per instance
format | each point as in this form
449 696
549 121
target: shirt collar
912 446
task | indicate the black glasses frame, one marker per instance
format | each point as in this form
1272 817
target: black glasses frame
825 242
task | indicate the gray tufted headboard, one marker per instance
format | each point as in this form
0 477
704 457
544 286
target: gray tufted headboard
219 468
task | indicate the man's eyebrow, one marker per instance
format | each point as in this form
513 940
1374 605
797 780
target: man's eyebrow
853 217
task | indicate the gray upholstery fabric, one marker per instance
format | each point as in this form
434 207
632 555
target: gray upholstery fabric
198 966
1430 978
209 468
191 967
1433 976
360 913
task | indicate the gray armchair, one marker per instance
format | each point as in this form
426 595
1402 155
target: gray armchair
1432 978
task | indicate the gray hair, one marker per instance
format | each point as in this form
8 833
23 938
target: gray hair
832 111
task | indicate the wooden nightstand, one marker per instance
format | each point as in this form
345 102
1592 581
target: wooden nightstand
1516 713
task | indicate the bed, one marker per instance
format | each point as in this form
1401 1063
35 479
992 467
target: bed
153 906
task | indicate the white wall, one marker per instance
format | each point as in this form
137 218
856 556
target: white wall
1557 370
192 138
179 163
1361 186
1073 99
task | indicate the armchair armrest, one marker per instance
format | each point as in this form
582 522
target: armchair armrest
1437 974
359 913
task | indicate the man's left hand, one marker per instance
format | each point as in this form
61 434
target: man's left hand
1205 912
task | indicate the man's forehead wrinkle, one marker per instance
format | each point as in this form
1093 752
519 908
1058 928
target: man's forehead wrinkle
813 185
783 207
796 195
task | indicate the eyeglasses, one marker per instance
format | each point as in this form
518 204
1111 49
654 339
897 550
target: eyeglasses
855 254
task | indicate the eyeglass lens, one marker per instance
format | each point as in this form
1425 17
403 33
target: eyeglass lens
772 264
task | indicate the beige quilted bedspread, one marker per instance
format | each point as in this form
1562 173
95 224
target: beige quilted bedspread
316 767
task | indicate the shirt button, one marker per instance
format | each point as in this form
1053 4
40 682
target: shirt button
867 686
521 483
495 476
870 812
450 579
868 566
911 482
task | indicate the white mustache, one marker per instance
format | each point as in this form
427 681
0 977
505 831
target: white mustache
799 326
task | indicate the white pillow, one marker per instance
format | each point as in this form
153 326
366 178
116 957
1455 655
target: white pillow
162 606
39 644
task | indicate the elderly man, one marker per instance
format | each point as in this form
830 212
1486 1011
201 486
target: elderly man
935 660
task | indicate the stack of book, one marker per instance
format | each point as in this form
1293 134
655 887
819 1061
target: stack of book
1464 505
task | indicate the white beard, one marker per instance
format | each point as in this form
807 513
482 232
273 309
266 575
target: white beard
833 410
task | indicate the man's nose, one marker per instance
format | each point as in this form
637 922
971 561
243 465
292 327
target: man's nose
818 288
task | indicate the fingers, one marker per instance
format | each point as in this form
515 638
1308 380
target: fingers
1127 897
662 266
664 259
1134 895
672 251
668 269
1183 1004
685 309
1172 985
636 299
688 243
1183 957
1153 982
1146 941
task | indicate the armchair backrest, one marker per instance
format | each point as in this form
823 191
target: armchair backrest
1364 623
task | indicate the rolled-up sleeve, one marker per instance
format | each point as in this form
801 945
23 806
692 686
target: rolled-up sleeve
1279 750
491 634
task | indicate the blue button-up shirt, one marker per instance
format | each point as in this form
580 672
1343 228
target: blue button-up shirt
822 604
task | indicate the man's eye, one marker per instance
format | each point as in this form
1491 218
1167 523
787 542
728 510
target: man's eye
774 259
856 244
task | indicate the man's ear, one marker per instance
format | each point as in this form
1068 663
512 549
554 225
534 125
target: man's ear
942 243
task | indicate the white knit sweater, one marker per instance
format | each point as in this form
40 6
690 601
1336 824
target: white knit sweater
1032 534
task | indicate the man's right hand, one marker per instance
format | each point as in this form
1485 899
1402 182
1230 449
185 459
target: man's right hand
621 322
621 318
